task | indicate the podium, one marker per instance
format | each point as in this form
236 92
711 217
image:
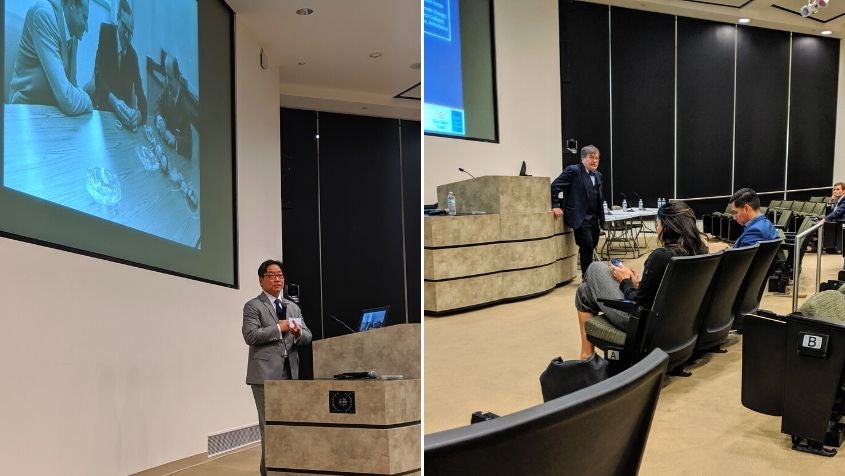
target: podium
503 244
327 426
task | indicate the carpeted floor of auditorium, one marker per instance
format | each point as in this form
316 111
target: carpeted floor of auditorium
490 360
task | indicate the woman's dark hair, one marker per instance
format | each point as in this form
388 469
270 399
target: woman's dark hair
679 229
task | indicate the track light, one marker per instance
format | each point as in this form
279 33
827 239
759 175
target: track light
812 7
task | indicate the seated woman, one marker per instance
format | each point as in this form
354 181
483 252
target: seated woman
677 232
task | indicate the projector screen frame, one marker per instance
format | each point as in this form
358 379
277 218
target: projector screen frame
235 279
494 87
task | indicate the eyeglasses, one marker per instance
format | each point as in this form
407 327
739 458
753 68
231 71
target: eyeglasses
272 276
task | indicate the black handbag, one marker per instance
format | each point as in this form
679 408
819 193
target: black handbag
563 377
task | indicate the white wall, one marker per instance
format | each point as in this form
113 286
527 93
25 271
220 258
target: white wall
839 149
109 369
528 84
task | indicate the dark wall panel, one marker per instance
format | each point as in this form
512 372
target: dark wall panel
761 105
705 107
643 66
585 76
361 200
300 227
812 122
411 205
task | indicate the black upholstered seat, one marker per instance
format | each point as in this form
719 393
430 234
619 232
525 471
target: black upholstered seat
600 430
794 367
673 322
751 289
718 307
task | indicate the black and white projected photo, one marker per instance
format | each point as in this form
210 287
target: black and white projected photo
101 111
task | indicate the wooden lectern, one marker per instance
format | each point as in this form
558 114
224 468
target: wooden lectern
327 426
504 244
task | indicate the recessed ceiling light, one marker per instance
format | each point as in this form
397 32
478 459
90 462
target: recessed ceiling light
301 63
375 54
416 66
826 32
304 11
744 20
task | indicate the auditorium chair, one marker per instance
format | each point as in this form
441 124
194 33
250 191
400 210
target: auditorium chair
671 325
717 309
784 217
794 367
783 268
709 219
600 430
777 211
752 287
818 199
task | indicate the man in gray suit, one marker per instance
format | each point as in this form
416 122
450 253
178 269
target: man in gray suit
273 328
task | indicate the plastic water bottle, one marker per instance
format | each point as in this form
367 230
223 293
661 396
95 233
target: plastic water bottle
624 205
604 207
450 204
659 202
640 204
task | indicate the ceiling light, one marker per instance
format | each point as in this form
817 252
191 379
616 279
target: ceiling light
826 32
375 54
744 20
304 11
301 63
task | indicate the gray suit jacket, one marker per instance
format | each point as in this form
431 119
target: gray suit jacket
266 348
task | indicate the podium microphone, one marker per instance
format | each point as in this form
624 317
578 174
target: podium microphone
639 198
342 323
464 171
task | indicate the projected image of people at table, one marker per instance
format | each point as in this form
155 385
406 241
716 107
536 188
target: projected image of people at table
101 110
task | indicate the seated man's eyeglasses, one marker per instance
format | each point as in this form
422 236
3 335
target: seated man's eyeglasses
272 276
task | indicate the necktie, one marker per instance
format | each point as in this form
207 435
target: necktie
280 310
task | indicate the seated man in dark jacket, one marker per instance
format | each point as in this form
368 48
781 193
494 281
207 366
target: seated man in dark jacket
174 112
117 78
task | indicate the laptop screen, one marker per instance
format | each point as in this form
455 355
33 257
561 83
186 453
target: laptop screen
373 318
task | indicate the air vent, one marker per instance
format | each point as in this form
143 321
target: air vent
230 440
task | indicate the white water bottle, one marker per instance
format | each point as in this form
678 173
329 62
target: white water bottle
451 208
604 207
659 202
640 204
624 205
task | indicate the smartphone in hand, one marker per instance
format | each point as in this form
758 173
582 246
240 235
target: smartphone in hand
616 262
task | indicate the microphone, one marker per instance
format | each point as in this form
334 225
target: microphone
464 171
342 323
639 198
624 197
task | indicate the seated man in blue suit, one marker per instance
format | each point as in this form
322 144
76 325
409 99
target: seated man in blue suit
745 206
582 203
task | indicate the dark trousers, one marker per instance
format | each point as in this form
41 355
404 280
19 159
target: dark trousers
258 395
586 237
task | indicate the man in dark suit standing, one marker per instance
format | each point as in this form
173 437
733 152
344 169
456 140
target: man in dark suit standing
582 203
117 78
273 328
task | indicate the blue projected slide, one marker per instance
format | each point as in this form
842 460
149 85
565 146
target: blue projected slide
100 109
444 101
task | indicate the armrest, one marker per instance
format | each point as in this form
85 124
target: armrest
630 307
